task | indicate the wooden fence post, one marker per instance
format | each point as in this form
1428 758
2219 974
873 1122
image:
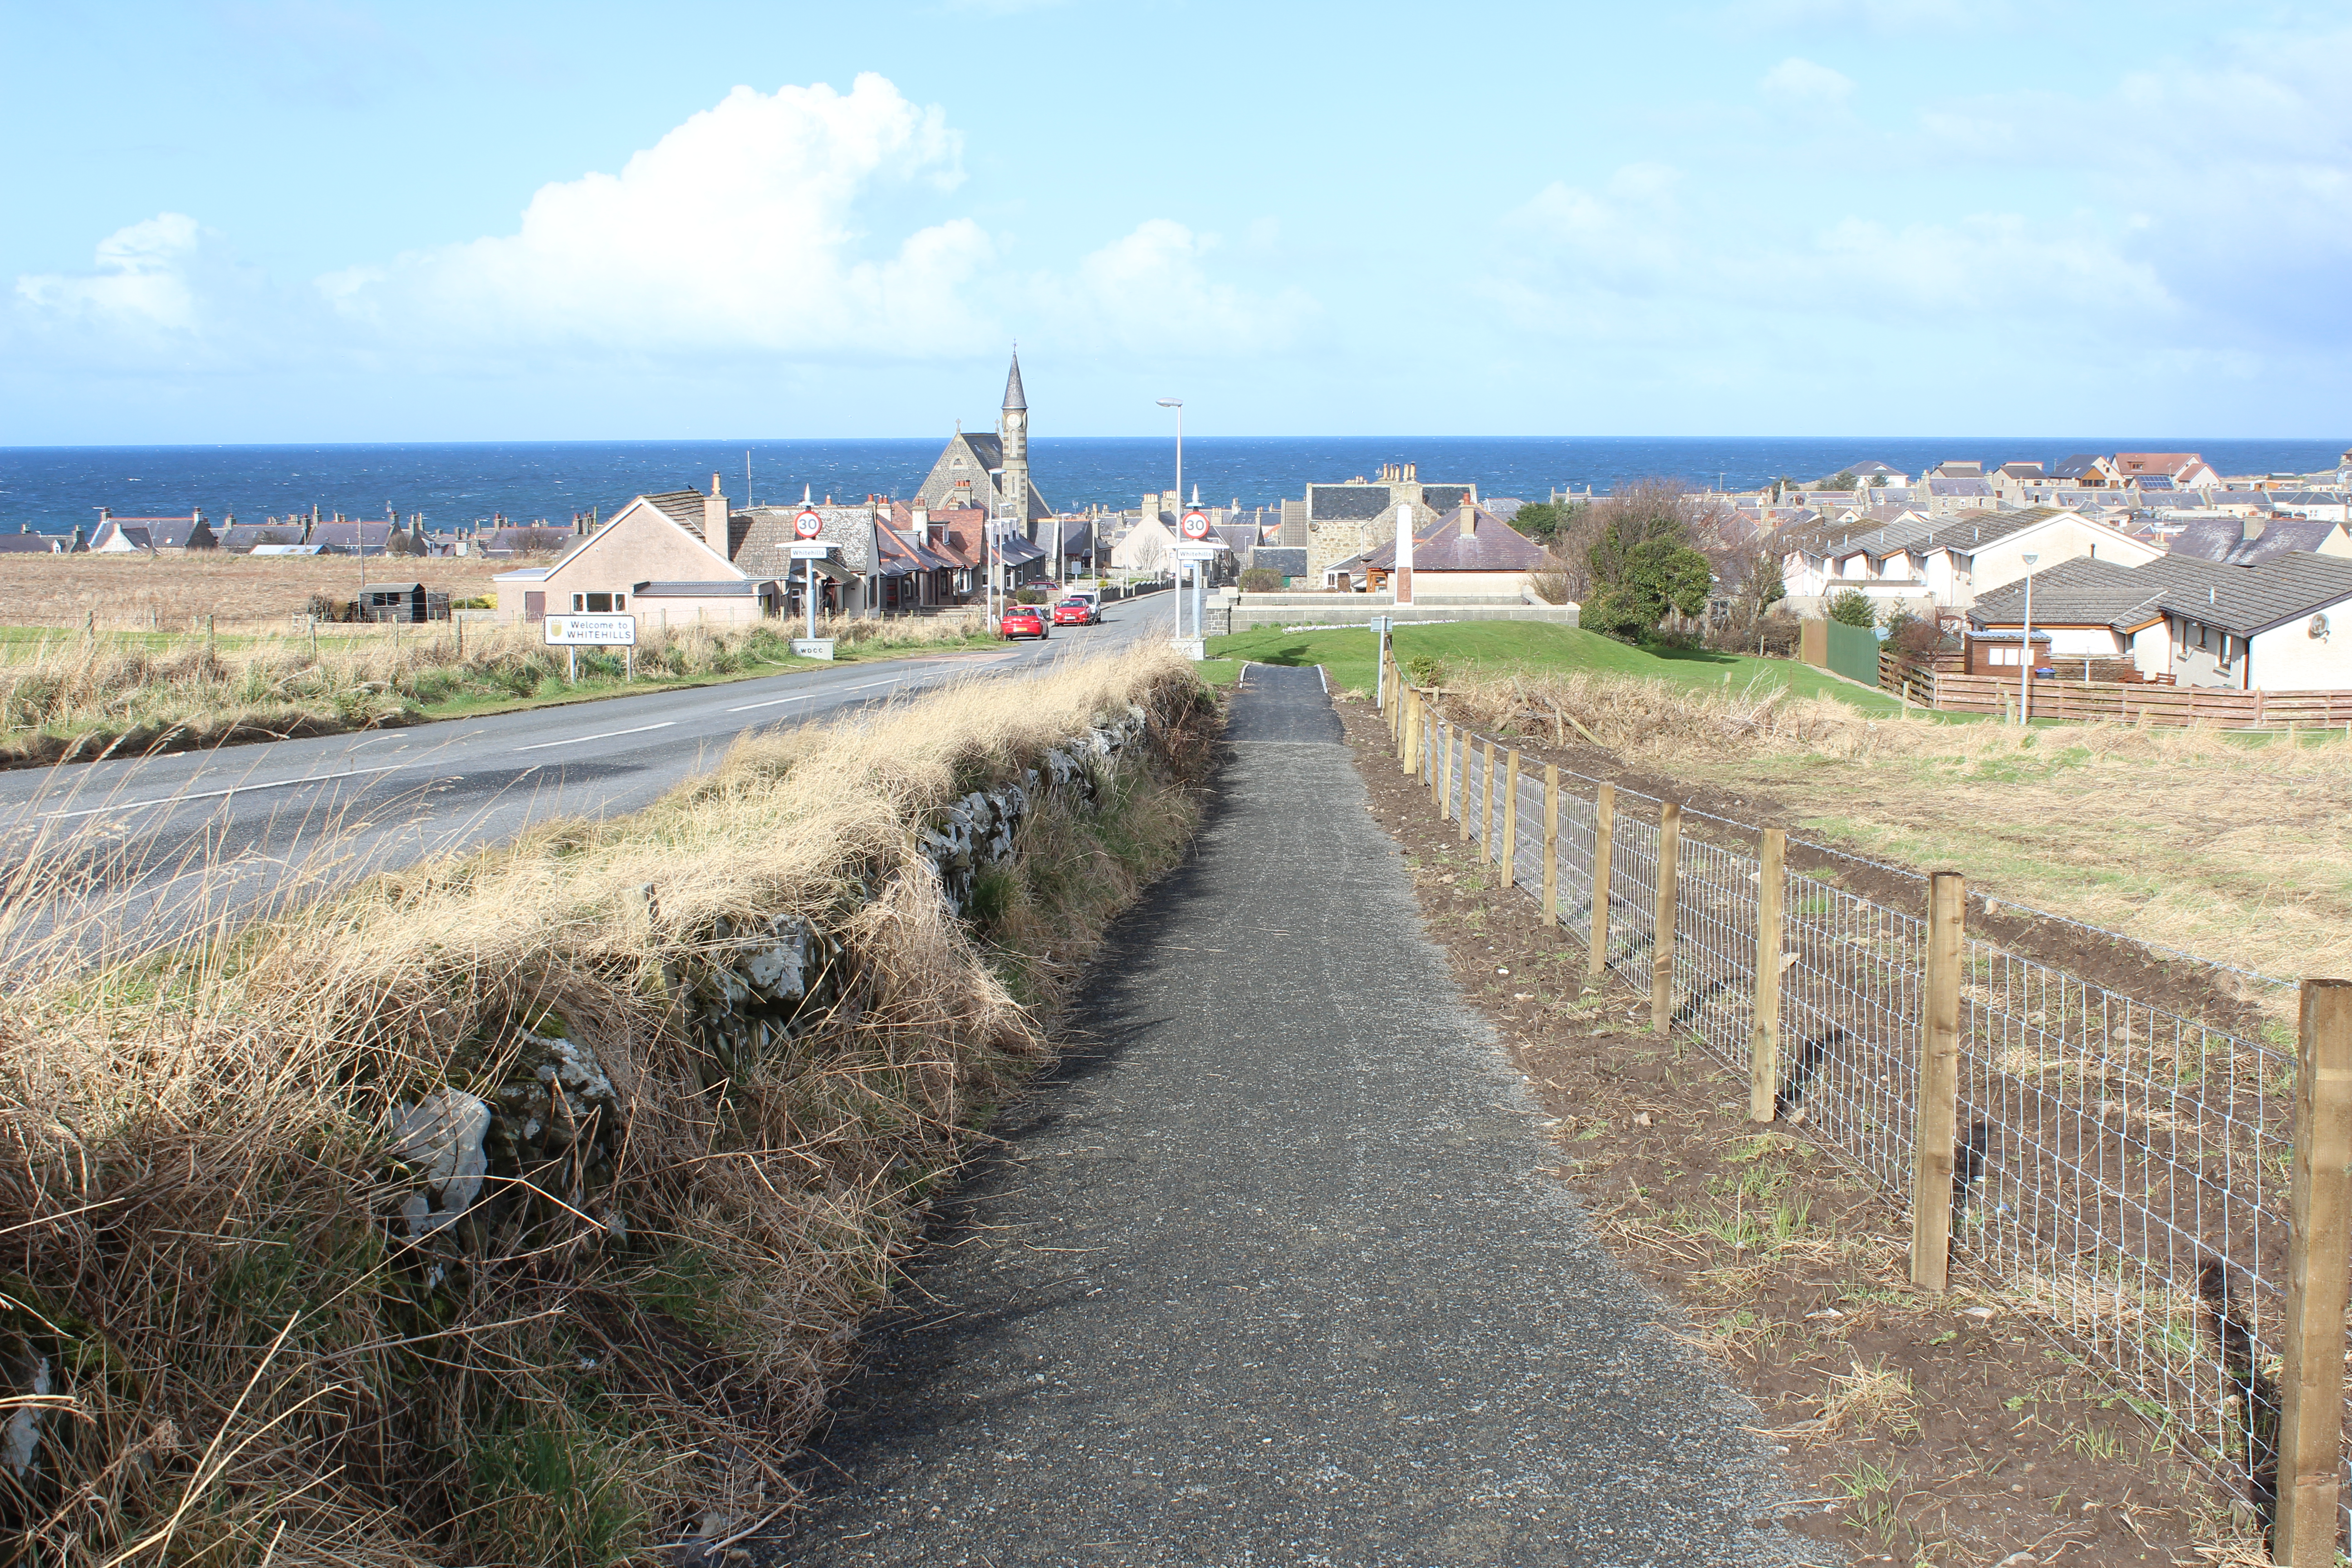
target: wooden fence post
1444 782
1511 821
1764 1038
1408 726
1940 1083
1486 845
1551 845
1661 928
1604 854
2311 1422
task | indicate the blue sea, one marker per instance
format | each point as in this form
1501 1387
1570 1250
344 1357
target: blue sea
54 488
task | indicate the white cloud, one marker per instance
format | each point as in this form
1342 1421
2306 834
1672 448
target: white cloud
804 225
1630 263
1150 290
1798 80
741 229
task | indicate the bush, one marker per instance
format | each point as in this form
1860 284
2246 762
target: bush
1852 609
1030 596
1263 580
478 602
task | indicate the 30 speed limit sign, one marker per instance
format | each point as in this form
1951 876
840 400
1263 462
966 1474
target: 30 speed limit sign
1196 525
808 525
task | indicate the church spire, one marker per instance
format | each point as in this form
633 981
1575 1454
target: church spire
1013 396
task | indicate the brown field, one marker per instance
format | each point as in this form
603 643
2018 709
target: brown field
173 593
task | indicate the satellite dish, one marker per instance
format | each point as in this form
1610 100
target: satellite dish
2318 626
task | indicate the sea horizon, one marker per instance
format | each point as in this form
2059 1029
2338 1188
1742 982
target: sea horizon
456 484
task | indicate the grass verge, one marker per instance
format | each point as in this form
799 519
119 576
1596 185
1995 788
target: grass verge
1445 653
70 698
246 1355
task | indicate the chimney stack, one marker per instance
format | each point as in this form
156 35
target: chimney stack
714 517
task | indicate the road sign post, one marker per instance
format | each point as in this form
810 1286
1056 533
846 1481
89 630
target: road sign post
572 633
809 550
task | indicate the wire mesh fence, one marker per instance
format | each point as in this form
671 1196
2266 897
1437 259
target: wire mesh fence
2120 1167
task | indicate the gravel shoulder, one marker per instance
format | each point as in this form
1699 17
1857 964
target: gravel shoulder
1269 1269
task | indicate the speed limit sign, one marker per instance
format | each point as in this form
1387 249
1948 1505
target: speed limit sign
1196 524
808 525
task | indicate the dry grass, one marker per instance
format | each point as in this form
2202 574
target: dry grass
174 592
253 1363
72 697
2237 850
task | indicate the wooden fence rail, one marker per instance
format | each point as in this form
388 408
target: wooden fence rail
2126 703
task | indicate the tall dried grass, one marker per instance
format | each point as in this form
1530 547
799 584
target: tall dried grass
248 1362
2236 849
72 697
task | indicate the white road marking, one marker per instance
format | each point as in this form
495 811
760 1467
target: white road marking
583 740
216 793
805 696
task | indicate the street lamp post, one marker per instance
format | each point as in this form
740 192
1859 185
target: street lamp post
1178 404
2025 654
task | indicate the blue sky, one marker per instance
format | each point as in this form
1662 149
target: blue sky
266 220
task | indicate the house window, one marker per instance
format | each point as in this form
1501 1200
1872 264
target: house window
2005 654
579 603
620 600
594 603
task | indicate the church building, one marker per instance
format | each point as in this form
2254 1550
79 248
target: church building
990 472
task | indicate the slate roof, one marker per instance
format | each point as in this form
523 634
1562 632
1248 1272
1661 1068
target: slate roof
1013 396
2226 539
1289 561
2077 466
1444 497
2252 599
245 535
1968 531
2094 593
1346 503
683 508
1493 545
2307 497
28 544
1961 486
766 548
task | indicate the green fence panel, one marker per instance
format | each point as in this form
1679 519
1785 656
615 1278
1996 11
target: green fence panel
1853 652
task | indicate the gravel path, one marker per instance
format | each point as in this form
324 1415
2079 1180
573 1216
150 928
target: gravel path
1266 1273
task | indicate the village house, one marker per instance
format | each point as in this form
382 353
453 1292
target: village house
2178 470
2274 626
1345 521
1468 552
655 559
1928 564
2244 540
153 535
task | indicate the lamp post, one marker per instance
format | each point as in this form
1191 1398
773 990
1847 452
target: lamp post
1178 404
2025 656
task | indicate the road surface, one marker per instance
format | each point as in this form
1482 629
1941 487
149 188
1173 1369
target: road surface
117 854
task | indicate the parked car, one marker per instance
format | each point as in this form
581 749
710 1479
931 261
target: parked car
1077 613
1023 621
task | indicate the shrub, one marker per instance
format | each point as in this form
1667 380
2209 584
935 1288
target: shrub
1263 580
1852 609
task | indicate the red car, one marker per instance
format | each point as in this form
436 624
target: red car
1077 613
1023 621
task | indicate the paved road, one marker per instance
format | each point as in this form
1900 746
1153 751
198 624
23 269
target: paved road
133 850
1266 1273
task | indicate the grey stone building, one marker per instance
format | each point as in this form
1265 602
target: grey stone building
990 472
1345 521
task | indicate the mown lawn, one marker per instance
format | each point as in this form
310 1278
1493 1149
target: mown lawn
1495 647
